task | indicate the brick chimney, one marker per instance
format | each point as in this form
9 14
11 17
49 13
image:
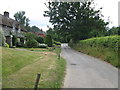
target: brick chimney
6 14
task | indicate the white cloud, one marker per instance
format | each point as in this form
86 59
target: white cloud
110 9
35 8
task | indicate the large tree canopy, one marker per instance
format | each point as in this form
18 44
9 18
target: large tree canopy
78 20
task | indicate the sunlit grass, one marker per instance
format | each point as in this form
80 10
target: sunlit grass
20 68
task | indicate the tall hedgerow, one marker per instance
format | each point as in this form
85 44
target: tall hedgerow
107 48
107 42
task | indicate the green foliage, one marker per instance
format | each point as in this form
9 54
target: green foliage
57 43
7 45
31 43
40 39
113 31
105 48
35 29
21 18
75 20
48 41
107 42
30 36
53 34
33 39
20 44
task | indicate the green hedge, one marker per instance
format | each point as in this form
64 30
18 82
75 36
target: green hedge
107 42
105 48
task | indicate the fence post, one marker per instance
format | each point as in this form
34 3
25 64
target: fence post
37 81
58 56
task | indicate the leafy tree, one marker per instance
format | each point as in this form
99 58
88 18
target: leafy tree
48 41
75 20
30 36
114 31
40 39
56 36
52 33
29 28
35 29
21 18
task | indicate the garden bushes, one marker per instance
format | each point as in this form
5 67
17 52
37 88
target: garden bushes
31 43
57 43
40 39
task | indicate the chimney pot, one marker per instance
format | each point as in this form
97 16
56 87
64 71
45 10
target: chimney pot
6 14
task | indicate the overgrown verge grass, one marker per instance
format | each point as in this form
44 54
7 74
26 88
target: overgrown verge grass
105 48
20 68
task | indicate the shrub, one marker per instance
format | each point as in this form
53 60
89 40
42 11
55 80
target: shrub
48 41
31 43
20 44
40 39
7 45
57 43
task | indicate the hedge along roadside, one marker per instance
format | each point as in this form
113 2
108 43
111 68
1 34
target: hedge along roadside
105 48
107 42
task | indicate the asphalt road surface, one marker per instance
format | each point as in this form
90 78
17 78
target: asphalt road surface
84 71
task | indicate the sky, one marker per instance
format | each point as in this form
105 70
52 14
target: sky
35 9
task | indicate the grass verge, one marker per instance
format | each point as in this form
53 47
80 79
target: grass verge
105 54
20 68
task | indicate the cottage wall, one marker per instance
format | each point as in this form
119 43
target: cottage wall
6 30
0 21
10 28
1 31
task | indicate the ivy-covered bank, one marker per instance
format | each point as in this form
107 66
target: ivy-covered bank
105 48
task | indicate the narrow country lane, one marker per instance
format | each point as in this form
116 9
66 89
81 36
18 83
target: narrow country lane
84 71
